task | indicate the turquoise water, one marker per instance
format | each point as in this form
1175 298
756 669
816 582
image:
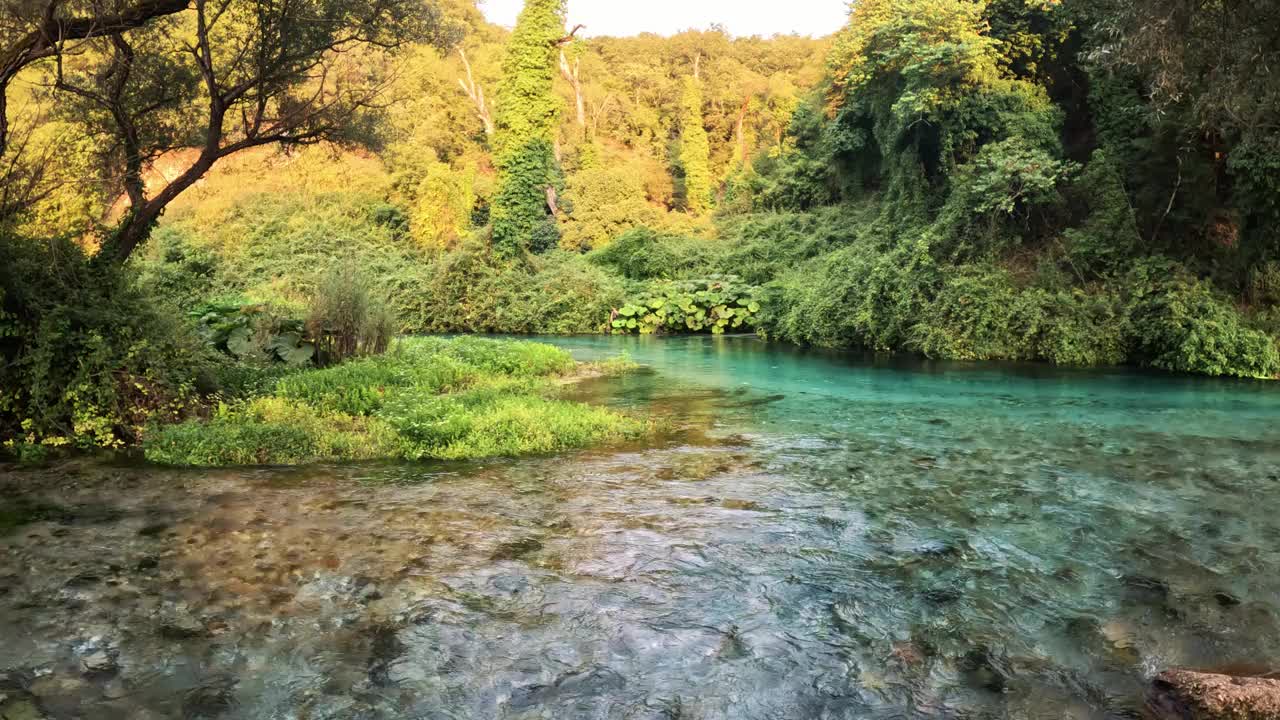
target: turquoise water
818 536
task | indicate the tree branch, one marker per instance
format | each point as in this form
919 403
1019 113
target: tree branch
53 31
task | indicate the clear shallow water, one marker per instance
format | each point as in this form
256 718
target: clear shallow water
822 537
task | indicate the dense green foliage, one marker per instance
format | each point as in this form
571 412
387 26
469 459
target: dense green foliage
253 333
86 359
1011 215
426 398
1080 182
716 304
695 149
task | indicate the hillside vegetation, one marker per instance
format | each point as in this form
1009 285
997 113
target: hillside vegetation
1084 182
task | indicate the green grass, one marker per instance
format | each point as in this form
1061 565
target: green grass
509 418
426 398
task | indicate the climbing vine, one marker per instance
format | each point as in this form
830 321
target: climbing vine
695 149
527 118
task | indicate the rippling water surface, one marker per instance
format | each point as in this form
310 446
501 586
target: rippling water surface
818 537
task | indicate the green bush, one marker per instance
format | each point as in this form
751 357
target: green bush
470 290
1076 327
1179 324
1264 283
1109 232
860 296
254 333
607 202
976 315
86 359
276 248
979 313
645 254
763 246
172 268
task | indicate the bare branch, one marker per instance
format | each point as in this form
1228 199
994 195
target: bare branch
476 93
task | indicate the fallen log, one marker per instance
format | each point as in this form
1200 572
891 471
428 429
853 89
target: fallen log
1191 695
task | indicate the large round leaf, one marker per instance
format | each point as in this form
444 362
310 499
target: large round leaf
240 343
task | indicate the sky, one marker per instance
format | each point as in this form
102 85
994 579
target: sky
665 17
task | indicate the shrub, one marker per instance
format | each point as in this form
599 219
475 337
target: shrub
85 358
980 314
174 269
607 201
976 315
346 319
470 290
252 332
761 247
860 296
645 254
567 295
1264 283
1076 327
1179 324
1012 177
442 208
275 248
1109 233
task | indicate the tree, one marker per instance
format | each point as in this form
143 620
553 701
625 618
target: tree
217 75
1210 97
36 30
527 119
695 148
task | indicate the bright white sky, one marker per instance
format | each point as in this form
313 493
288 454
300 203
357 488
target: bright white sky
665 17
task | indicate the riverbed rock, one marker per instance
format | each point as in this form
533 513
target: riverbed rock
20 710
182 627
98 663
1191 695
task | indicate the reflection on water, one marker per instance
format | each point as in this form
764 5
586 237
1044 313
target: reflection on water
822 538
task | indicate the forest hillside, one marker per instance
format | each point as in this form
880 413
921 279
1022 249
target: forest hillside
1084 182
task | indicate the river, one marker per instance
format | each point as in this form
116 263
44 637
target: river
818 535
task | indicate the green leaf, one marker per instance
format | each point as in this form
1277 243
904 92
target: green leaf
240 343
290 348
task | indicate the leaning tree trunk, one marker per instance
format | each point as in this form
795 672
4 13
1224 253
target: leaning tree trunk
1190 695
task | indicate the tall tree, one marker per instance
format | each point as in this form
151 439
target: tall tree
695 148
35 30
528 114
219 76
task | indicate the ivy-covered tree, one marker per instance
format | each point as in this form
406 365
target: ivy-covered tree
527 121
695 148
